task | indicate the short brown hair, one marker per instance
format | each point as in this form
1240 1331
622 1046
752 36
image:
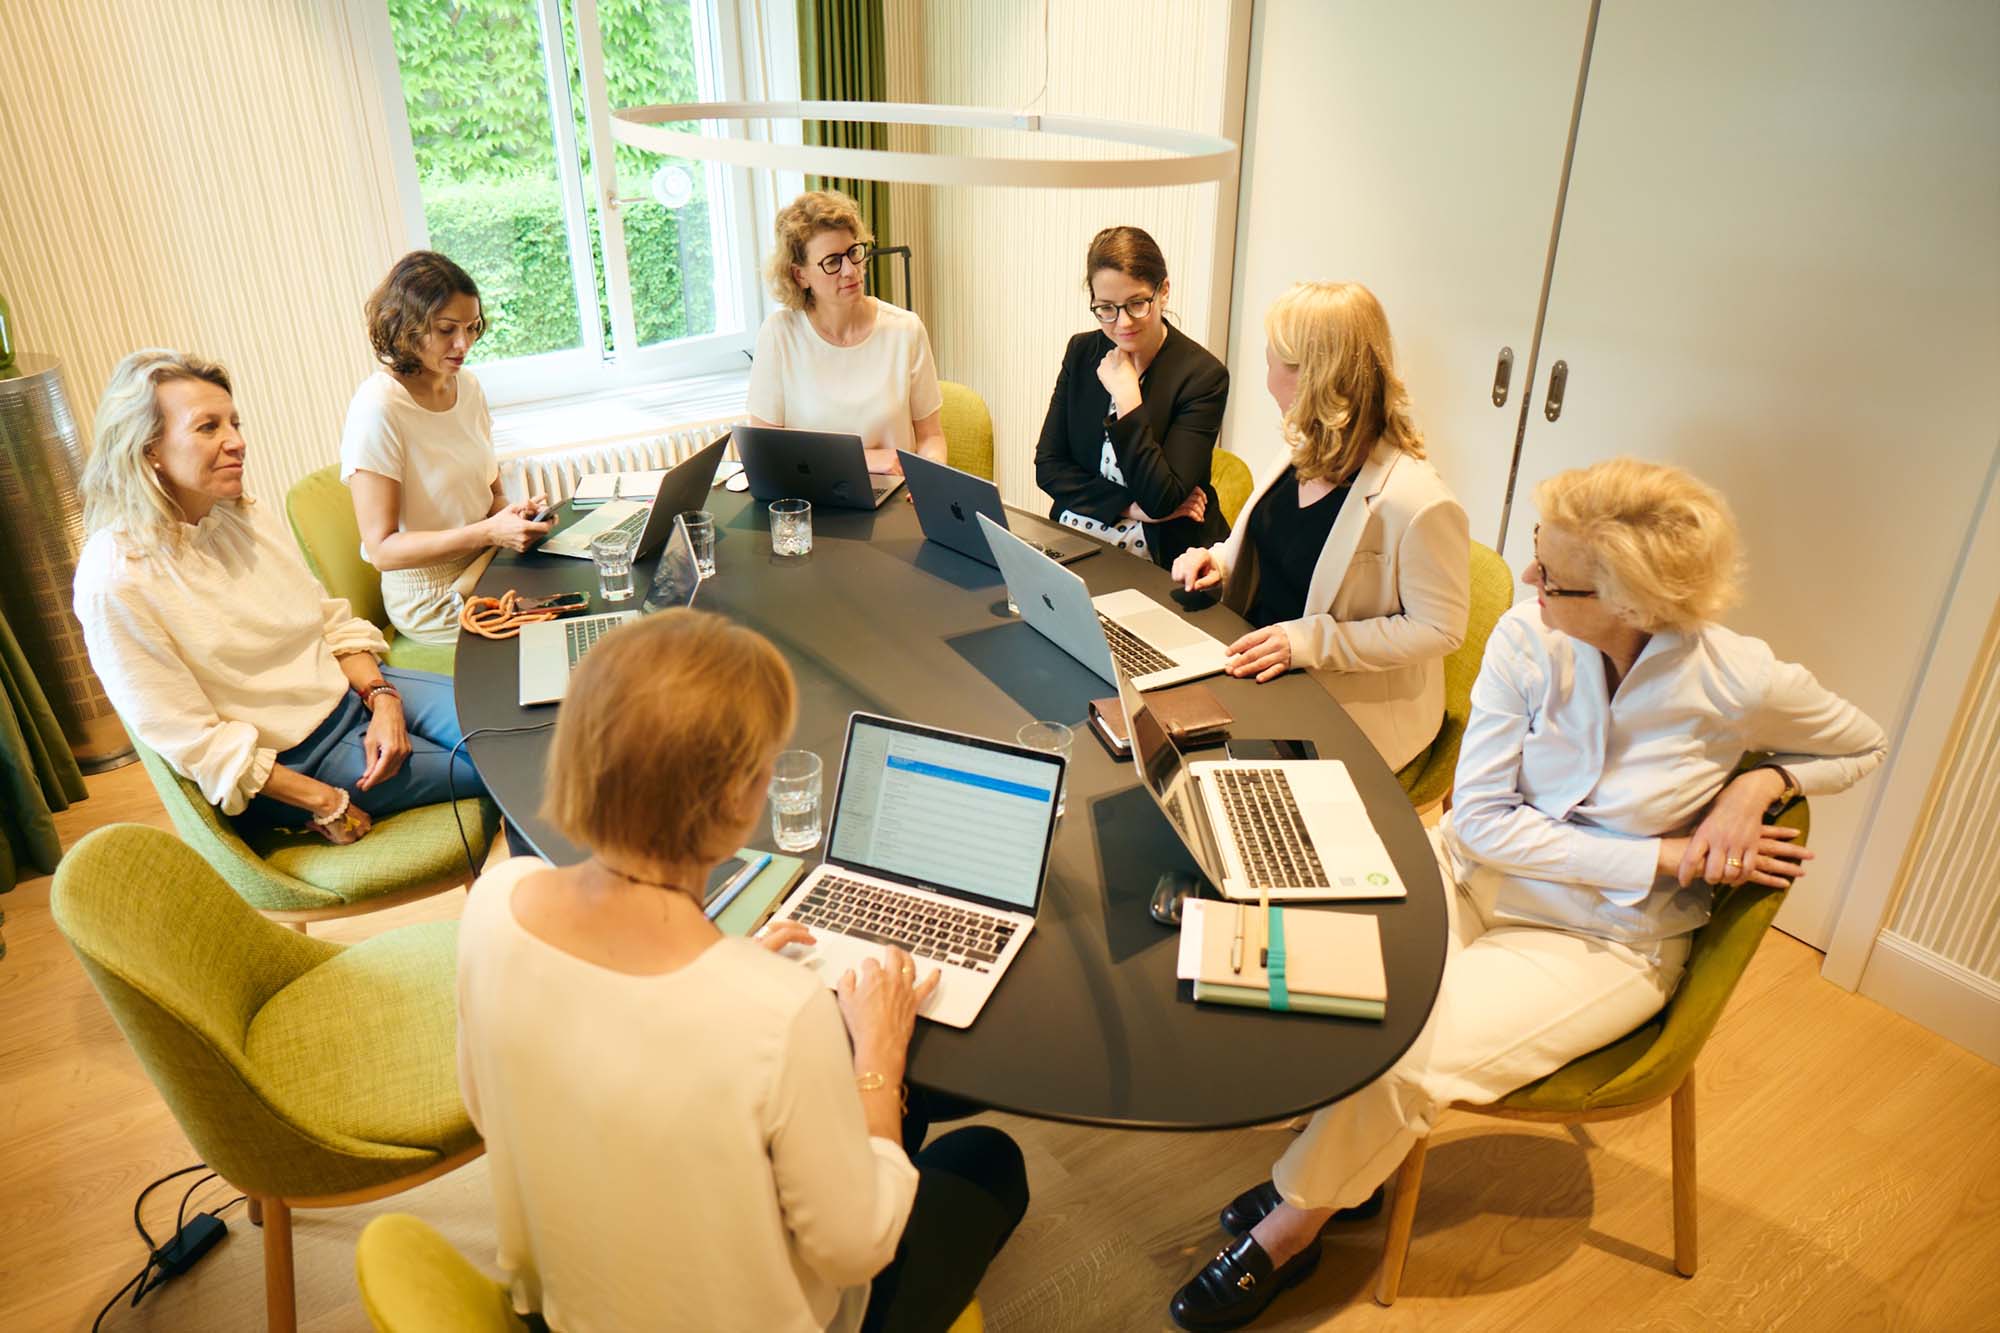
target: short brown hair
401 309
798 222
1127 250
1663 542
664 723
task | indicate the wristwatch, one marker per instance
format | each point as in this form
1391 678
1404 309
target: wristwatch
1791 791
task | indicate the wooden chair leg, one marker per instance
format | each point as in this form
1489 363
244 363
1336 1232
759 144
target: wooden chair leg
299 926
256 1210
1685 1201
1402 1219
281 1314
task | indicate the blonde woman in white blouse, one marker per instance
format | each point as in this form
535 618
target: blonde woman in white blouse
1594 805
218 647
686 1131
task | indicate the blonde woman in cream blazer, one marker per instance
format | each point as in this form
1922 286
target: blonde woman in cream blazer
1372 614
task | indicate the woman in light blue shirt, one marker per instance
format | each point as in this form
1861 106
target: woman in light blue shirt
1594 806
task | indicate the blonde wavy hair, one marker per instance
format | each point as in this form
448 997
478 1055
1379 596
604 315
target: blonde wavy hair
805 217
1663 542
1349 393
121 491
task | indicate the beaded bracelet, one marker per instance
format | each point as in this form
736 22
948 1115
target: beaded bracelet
339 811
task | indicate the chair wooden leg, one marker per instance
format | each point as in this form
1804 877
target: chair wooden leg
299 926
281 1314
1402 1219
1685 1201
256 1210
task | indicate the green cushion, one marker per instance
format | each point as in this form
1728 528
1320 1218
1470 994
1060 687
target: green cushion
1233 483
403 850
416 655
413 1281
322 515
373 1073
1429 776
968 430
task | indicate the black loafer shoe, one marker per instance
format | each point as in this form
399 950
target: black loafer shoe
1253 1205
1237 1285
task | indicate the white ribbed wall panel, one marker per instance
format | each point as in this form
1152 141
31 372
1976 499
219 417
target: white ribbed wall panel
210 175
1950 905
1002 269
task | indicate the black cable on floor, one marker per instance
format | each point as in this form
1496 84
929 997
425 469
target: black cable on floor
451 779
137 1284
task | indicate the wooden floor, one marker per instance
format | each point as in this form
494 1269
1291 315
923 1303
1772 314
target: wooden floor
1850 1178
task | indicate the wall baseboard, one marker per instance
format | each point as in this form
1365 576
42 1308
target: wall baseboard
1956 1003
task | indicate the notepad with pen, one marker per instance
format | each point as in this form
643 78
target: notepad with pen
1304 959
743 891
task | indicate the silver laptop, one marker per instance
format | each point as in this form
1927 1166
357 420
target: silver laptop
1124 630
829 470
684 487
1292 830
948 502
550 649
939 844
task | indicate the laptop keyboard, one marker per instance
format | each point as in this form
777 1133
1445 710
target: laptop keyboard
582 635
635 524
965 936
1270 832
1134 656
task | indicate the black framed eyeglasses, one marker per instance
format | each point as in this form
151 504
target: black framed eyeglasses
856 254
1547 588
1137 307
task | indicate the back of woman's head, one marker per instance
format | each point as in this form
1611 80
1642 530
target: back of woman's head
1664 542
1349 394
665 723
1126 250
401 309
121 491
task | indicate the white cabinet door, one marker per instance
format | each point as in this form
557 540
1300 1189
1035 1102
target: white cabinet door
1416 149
1781 269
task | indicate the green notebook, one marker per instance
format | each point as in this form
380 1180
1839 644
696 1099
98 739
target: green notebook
755 901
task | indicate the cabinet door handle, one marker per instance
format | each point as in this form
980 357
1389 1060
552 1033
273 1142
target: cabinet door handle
1558 381
1503 372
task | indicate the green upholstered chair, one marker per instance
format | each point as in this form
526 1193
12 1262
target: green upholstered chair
305 1073
301 877
1231 478
968 430
413 1281
1654 1063
322 517
1428 778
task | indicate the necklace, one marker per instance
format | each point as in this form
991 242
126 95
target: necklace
634 879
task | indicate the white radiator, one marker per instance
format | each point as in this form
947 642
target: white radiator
554 472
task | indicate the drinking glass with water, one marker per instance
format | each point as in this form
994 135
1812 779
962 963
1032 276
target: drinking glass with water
613 551
701 535
794 797
791 527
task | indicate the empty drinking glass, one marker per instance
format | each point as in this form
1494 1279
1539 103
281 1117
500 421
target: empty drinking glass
791 527
794 797
1055 738
612 551
701 535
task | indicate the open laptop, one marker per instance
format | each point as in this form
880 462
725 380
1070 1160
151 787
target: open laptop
1295 830
949 501
829 470
550 649
939 844
1124 630
684 487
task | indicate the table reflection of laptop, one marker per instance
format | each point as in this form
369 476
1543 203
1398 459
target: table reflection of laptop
550 649
684 487
939 844
1119 631
829 470
949 503
1290 829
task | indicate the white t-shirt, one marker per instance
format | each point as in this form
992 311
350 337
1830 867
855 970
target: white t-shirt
878 389
445 463
681 1151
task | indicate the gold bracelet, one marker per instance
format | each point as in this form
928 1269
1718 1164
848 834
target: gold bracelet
870 1081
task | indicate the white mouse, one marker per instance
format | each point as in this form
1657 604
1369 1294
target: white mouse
740 482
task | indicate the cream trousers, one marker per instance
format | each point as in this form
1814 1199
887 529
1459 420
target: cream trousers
1515 1003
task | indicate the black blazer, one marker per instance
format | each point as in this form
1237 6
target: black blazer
1164 448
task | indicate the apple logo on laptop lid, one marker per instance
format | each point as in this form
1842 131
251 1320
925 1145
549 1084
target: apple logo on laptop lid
1048 602
957 511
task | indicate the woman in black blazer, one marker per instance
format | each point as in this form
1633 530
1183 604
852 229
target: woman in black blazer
1126 446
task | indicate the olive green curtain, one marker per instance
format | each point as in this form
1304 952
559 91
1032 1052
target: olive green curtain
843 57
38 774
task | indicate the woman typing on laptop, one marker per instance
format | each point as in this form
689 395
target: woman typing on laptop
1351 557
1598 798
682 1134
835 359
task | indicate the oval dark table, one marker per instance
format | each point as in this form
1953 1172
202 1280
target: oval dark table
1089 1024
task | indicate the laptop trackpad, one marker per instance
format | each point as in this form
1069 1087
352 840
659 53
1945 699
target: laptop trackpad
1164 630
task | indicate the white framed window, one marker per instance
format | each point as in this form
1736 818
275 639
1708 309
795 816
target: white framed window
600 266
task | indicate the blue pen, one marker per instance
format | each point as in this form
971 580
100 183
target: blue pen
753 868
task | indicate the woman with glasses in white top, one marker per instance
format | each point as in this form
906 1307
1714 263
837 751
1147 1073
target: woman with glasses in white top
1597 801
835 359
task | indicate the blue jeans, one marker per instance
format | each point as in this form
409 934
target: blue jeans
334 754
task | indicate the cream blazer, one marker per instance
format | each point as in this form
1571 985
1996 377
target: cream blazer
1388 599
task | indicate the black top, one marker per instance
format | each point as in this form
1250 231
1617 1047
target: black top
1288 541
1089 1023
1164 448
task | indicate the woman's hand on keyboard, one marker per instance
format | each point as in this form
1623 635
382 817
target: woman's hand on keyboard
780 933
880 1003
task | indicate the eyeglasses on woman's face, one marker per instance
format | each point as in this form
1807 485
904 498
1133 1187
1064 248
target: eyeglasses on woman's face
1137 308
1544 583
856 254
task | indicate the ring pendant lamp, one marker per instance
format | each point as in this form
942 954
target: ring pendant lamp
1192 159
